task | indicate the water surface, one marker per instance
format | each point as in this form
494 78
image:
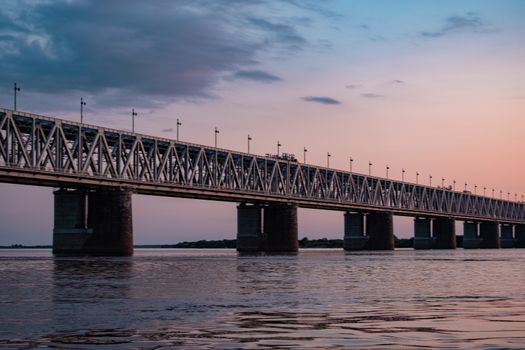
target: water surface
216 299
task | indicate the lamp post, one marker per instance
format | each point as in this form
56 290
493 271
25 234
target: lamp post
403 174
278 147
500 194
133 115
216 132
369 168
454 185
351 161
16 89
387 169
249 139
465 186
430 180
508 196
443 182
304 154
82 104
178 124
492 193
328 155
484 191
417 177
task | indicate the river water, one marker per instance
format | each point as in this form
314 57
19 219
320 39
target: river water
216 299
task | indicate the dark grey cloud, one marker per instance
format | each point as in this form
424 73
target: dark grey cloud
372 95
256 75
470 22
283 33
322 100
397 81
167 130
352 86
138 53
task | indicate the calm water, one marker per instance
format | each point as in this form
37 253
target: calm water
215 299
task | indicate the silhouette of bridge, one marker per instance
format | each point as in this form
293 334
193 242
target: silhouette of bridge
97 169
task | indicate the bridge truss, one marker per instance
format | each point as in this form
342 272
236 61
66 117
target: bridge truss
47 151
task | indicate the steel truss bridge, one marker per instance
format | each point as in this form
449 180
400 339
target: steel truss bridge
46 151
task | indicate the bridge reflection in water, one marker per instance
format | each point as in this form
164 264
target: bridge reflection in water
97 169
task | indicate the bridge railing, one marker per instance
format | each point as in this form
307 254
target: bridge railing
57 146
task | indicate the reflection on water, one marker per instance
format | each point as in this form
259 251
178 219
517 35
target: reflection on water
216 299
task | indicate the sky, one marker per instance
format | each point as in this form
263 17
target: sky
435 87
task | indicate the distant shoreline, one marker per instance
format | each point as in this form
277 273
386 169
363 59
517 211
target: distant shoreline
231 244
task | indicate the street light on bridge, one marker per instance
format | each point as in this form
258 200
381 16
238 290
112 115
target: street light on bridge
82 104
216 133
16 89
278 147
475 189
484 190
178 124
387 168
133 115
304 154
403 175
442 182
454 185
430 180
328 155
417 177
369 168
351 161
249 139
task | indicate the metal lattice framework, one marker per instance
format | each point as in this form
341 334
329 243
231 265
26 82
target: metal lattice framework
46 151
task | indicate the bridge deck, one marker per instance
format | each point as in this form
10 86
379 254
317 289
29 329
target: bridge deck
45 151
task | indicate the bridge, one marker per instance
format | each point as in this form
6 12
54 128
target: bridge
97 169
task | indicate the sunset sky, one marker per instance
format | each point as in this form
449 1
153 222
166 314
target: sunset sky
431 86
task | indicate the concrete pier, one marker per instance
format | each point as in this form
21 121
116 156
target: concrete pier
354 231
507 236
519 236
444 230
422 234
489 234
280 228
380 230
93 222
249 230
471 238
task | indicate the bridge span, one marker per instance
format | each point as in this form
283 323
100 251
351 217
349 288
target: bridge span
97 169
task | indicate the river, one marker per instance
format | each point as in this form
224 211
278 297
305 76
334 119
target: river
217 299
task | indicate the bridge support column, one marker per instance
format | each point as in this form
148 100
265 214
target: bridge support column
93 223
519 235
422 237
249 235
354 234
280 228
444 230
489 234
380 230
507 237
471 239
